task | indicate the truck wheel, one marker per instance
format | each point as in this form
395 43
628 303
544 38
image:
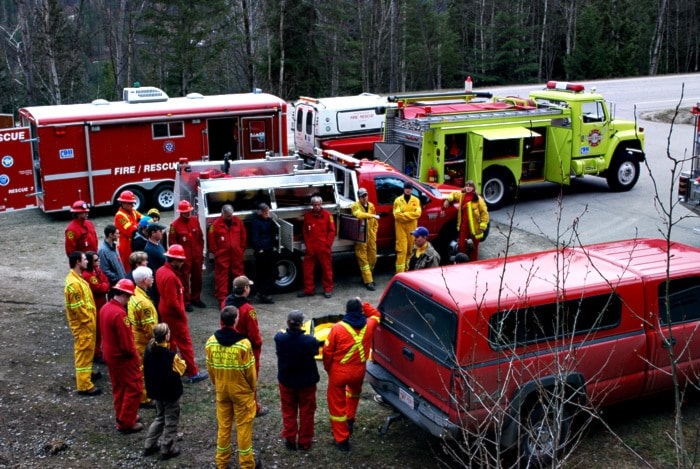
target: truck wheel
164 197
623 173
544 433
497 188
288 273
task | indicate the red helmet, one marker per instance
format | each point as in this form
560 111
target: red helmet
128 197
125 286
176 251
184 206
80 206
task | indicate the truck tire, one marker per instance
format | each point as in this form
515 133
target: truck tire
164 197
544 433
288 273
497 187
623 173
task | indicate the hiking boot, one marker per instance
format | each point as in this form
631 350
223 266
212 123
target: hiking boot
173 453
95 391
201 376
138 426
150 451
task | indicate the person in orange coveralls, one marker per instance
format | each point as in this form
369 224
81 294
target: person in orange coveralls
127 222
186 232
231 366
472 219
345 355
81 317
80 232
319 234
142 316
248 326
227 240
171 308
123 362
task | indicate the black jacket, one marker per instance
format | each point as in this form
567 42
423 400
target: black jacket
296 365
162 382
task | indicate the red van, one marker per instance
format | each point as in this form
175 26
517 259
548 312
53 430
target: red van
518 347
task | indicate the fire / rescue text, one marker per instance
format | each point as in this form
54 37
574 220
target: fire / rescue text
13 136
147 168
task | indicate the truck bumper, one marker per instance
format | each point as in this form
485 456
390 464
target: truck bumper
422 413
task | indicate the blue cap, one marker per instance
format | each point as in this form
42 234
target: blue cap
421 231
144 221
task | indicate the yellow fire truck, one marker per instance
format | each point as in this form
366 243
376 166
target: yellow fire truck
553 135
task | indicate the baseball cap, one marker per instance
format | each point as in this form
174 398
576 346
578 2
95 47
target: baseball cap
241 282
296 317
420 231
263 206
144 221
154 227
361 191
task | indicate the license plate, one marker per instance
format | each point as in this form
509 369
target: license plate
406 398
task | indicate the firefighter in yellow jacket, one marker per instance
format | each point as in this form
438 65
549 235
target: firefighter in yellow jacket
142 315
472 218
407 211
366 252
231 366
82 319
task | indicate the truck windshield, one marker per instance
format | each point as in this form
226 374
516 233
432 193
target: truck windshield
420 321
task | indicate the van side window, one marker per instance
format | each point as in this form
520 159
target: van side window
300 119
684 300
309 122
420 321
514 328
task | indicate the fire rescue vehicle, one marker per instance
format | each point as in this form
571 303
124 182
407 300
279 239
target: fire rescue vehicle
94 151
689 182
286 186
348 124
554 135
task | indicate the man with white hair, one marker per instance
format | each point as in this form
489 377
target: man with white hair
142 315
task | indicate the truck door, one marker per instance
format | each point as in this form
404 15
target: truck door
679 331
304 130
593 135
258 137
557 161
17 186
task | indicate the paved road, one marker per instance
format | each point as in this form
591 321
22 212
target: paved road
598 214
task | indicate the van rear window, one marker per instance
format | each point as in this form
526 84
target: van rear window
420 321
533 324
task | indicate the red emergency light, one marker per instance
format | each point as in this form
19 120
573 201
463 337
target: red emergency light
565 86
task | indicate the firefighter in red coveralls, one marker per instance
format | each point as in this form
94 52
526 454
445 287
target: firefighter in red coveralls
127 222
231 366
123 362
171 308
248 326
80 232
186 232
345 355
319 234
227 239
472 219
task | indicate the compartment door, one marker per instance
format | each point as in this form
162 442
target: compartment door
17 188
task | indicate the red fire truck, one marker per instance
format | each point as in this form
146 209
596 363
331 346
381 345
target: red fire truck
94 151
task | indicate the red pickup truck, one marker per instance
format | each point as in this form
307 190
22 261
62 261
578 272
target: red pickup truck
518 347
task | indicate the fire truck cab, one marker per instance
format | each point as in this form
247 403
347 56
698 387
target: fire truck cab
553 135
347 124
94 151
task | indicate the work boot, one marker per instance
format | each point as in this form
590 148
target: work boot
138 426
343 446
201 376
198 303
351 425
189 308
370 286
95 391
173 453
290 445
150 451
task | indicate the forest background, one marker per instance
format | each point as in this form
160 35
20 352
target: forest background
69 51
